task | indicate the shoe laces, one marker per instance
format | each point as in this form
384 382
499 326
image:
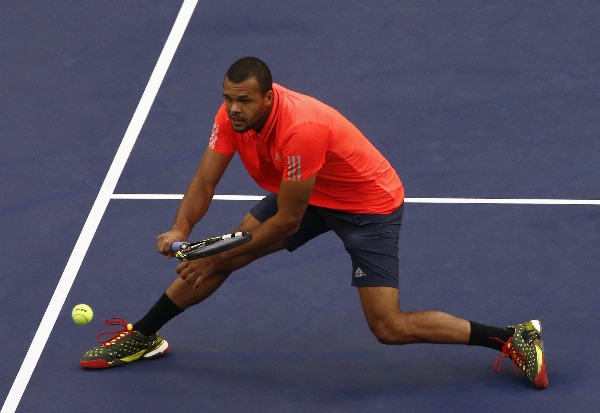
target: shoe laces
116 335
508 350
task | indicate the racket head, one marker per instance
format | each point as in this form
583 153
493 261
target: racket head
187 251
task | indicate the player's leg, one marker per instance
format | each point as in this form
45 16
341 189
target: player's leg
393 326
522 343
142 340
372 244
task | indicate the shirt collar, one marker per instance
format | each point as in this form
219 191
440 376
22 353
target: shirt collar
273 116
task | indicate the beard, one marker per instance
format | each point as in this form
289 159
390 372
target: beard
239 124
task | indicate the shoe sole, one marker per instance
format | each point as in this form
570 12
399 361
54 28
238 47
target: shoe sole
162 349
541 380
147 355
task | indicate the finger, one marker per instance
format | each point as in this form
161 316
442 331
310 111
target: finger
191 278
181 267
185 276
160 243
168 255
164 244
165 248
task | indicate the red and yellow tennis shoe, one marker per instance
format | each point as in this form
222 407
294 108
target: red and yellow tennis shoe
526 349
123 347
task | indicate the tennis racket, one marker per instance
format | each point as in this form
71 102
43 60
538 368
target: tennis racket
187 251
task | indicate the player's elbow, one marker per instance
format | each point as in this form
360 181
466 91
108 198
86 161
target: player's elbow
288 226
291 228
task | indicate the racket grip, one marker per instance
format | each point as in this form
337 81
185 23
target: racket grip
176 246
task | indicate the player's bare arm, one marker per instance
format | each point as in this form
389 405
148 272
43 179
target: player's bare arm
268 237
196 199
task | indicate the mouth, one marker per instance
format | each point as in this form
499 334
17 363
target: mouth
236 119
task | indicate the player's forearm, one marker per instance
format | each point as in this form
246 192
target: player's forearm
269 233
193 206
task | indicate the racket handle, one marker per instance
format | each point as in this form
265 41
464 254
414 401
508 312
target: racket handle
176 246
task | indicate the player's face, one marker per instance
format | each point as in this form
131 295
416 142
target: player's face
246 107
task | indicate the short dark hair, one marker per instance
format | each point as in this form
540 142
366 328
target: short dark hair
251 67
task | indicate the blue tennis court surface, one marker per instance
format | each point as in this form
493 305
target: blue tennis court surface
482 100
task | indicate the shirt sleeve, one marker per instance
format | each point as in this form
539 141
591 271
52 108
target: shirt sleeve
221 138
303 153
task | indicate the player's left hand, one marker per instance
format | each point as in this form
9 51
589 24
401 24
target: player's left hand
196 271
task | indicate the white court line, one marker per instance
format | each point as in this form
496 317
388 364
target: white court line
180 196
506 201
93 220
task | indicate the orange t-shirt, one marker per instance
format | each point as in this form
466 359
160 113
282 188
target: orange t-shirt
303 137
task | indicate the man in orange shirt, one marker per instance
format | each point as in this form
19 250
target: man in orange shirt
323 175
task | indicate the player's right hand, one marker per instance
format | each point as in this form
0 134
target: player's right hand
166 239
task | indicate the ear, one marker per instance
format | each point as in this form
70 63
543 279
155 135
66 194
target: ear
268 98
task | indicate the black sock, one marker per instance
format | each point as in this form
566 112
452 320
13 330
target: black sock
163 311
482 335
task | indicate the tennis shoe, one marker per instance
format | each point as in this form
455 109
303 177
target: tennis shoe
123 347
526 349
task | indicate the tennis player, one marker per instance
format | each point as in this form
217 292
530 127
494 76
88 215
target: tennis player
322 174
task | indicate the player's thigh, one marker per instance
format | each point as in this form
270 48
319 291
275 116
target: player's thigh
371 240
379 302
382 311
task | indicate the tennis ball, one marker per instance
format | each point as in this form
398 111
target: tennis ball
82 314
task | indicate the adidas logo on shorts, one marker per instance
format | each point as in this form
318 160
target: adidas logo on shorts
359 273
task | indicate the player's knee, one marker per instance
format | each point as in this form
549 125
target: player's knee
390 331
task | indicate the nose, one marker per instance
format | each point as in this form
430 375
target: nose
234 108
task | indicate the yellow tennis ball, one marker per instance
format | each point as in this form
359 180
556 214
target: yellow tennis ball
82 314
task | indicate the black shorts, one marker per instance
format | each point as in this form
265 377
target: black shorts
370 239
